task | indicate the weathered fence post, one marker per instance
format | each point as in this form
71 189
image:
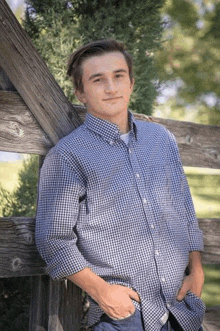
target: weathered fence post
55 306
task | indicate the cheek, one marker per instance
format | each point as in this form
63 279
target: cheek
127 93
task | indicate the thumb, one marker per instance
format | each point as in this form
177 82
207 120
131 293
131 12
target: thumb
133 295
182 292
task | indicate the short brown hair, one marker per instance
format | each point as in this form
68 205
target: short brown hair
95 48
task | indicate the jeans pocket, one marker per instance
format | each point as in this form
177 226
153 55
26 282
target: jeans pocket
121 320
131 323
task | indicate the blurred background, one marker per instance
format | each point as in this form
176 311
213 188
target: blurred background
175 45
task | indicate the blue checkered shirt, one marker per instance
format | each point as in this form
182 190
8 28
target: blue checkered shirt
123 210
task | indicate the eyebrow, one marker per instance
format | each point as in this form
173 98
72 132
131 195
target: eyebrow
102 74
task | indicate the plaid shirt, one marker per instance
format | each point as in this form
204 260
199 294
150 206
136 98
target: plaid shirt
125 211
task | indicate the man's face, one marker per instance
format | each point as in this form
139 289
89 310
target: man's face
106 86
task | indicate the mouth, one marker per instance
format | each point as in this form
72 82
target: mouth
112 99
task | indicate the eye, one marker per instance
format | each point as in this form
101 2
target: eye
119 75
97 80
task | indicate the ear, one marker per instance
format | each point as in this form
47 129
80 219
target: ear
132 84
80 96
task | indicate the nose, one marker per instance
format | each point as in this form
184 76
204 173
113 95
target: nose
110 86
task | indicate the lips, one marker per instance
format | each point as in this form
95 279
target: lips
111 99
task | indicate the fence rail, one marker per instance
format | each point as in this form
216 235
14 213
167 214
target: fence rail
19 255
199 145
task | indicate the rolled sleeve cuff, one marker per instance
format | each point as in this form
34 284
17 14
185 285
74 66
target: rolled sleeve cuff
195 239
66 263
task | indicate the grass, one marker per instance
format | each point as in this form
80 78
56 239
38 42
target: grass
205 188
211 289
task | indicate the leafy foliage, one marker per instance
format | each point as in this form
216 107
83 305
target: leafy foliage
53 29
189 61
59 27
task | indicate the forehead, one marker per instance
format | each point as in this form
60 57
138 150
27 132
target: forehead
104 64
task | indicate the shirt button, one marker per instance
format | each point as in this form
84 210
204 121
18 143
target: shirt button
157 253
163 279
129 150
168 305
144 200
111 142
137 175
152 226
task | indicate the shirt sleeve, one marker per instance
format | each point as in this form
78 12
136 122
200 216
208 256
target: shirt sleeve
194 233
57 212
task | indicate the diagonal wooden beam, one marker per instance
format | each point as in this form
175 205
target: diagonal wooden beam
32 79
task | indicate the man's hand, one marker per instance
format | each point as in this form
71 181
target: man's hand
116 301
194 282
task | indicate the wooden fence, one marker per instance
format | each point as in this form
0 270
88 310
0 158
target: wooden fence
32 120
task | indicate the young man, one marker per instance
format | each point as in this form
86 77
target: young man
115 215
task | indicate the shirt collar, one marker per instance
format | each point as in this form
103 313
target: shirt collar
108 130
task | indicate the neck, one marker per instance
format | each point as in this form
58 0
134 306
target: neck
121 122
123 126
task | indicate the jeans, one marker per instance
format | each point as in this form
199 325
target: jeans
133 323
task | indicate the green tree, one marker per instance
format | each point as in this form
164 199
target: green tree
57 27
22 202
53 29
138 25
189 61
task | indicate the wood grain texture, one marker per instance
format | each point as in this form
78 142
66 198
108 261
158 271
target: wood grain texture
19 255
55 306
19 130
211 231
65 300
39 309
212 319
199 145
32 79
